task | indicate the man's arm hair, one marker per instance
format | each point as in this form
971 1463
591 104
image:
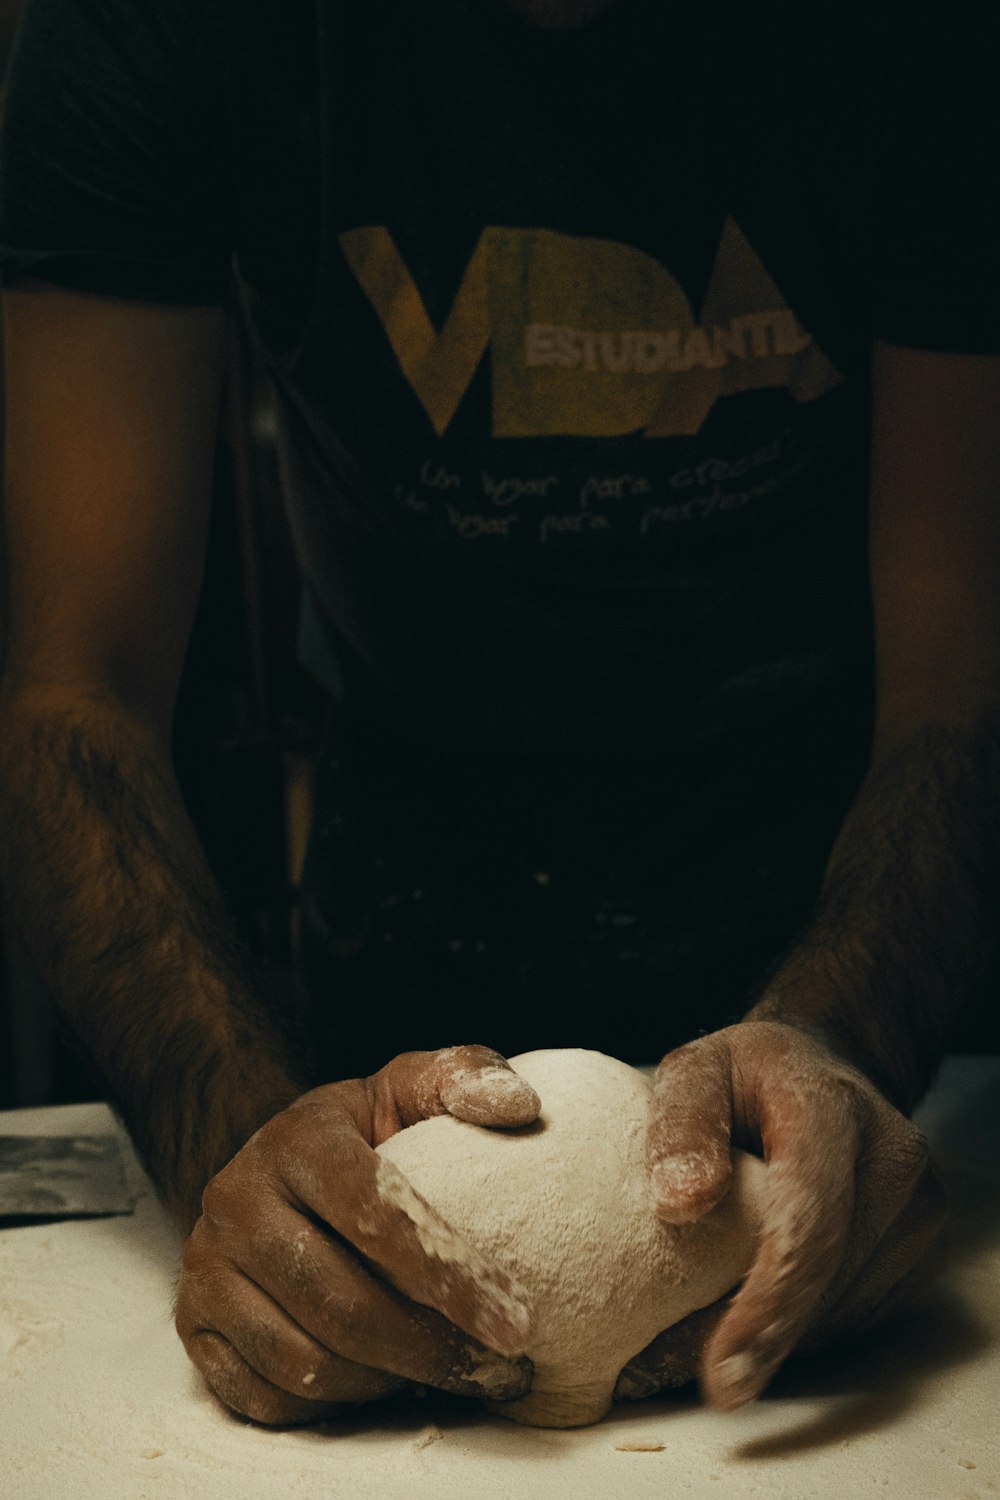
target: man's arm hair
112 897
906 925
111 414
907 921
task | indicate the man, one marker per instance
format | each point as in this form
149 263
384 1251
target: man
580 319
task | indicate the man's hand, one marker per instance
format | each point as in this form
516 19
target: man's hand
854 1203
316 1278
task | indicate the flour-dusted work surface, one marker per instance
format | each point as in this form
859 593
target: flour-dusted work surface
97 1398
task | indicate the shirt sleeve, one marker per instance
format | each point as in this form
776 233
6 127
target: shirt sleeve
113 152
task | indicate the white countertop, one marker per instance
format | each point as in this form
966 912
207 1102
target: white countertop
97 1398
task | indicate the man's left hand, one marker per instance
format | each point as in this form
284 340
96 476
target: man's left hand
854 1203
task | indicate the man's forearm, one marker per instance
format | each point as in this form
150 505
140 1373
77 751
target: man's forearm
907 919
112 897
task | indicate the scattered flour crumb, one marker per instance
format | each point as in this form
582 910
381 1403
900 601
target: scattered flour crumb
308 1379
152 1453
428 1436
966 1463
640 1447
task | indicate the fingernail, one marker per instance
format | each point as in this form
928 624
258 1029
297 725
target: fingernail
493 1096
680 1174
518 1093
685 1185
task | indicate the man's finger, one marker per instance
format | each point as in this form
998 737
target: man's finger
894 1160
281 1351
246 1392
297 1270
807 1217
479 1085
903 1262
688 1141
369 1203
472 1083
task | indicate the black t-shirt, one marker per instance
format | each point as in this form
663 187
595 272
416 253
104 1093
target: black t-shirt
569 333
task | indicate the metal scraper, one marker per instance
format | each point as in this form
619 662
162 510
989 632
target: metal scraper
61 1177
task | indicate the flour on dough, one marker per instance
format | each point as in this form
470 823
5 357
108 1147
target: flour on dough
565 1207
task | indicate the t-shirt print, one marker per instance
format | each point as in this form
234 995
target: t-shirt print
589 337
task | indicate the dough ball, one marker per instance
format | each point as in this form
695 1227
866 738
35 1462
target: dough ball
565 1207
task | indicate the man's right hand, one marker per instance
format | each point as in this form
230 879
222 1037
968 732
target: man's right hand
315 1277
